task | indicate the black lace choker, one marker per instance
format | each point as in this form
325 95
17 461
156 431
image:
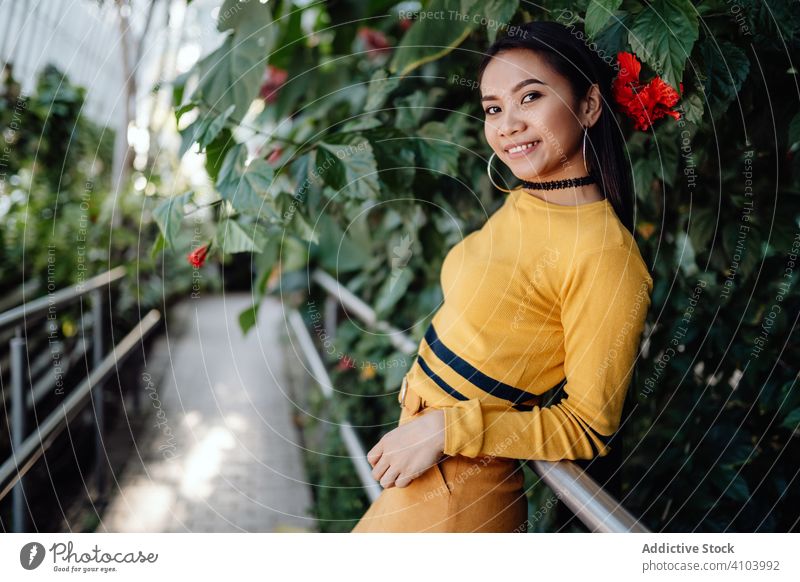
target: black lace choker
557 184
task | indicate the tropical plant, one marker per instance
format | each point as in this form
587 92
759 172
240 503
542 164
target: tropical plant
351 140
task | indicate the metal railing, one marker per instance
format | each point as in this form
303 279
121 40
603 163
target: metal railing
596 508
26 448
349 437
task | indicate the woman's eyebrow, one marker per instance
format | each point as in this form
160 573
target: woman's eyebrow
516 87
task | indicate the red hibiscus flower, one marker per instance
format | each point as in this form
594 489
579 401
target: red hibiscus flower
643 103
274 78
274 155
346 363
405 23
374 41
198 256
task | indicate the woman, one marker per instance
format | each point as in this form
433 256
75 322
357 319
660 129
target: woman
551 293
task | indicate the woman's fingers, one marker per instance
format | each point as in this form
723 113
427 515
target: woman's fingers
403 481
375 453
389 478
380 469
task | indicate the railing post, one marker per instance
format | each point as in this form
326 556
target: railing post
19 515
331 308
97 392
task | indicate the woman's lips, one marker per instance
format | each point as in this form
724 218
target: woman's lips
525 152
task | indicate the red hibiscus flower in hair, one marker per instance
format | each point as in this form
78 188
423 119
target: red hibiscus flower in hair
274 78
198 256
374 41
644 103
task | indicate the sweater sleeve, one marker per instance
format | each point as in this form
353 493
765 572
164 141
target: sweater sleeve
604 303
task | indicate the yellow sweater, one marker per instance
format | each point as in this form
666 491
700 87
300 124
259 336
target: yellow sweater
543 295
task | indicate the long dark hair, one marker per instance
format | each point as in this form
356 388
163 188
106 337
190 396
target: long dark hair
561 48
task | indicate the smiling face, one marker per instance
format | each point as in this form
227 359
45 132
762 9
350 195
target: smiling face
526 101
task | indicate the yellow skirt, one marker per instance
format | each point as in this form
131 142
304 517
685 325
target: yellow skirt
458 494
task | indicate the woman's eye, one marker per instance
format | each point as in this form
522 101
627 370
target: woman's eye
534 96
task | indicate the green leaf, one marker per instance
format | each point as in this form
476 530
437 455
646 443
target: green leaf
168 216
231 75
290 214
216 152
792 420
158 245
338 252
788 396
685 254
614 37
598 13
691 107
178 88
669 154
233 238
433 38
350 164
409 110
244 186
362 123
393 289
742 243
212 126
303 229
663 35
189 135
726 67
248 317
203 130
437 149
266 260
645 171
302 177
736 487
232 166
259 175
702 225
183 109
379 89
394 155
234 14
294 256
496 13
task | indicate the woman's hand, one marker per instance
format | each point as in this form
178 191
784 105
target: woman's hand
409 450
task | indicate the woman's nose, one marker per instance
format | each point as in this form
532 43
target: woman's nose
510 125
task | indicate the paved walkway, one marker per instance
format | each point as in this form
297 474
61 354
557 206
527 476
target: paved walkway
220 453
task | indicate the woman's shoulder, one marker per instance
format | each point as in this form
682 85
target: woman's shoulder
604 232
609 246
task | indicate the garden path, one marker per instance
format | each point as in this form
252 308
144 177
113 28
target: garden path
220 453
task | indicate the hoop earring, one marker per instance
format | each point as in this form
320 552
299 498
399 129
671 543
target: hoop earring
489 171
585 131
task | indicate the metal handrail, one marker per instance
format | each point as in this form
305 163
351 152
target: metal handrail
19 319
351 441
595 507
355 304
39 307
25 455
16 295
